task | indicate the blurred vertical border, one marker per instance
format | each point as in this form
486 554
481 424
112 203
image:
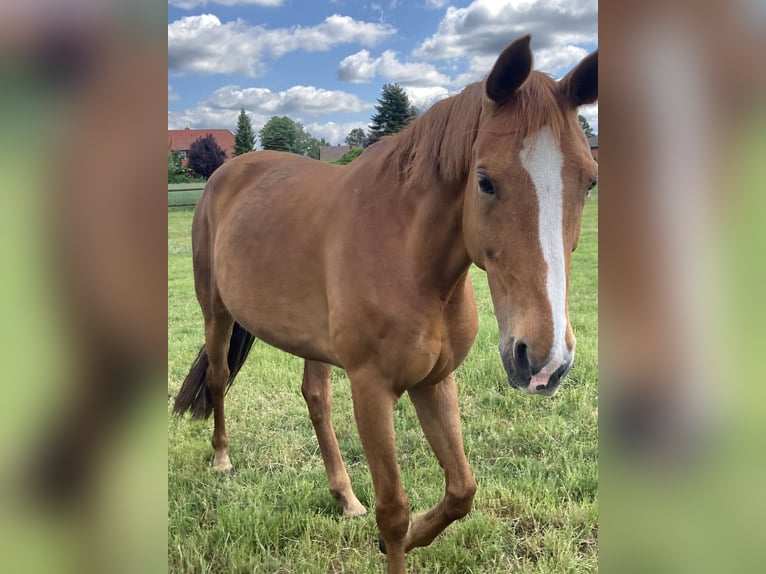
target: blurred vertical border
681 268
84 279
83 288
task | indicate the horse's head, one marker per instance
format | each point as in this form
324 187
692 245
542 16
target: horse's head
531 173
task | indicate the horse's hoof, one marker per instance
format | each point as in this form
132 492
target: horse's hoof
355 511
355 514
381 544
224 473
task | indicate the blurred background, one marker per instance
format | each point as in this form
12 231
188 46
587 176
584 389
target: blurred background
681 271
83 290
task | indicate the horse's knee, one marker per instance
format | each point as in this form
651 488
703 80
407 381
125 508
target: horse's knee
460 499
393 517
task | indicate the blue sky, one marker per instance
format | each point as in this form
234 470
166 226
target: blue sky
323 63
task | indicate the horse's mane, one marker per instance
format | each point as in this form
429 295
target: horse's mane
438 145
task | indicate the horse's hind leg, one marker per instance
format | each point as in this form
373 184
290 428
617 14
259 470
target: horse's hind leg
317 392
437 409
218 327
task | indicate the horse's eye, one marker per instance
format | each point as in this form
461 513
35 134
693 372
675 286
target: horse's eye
593 184
486 185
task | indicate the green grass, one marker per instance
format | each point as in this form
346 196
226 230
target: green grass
534 459
182 194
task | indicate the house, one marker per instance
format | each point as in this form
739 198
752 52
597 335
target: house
332 152
593 142
181 140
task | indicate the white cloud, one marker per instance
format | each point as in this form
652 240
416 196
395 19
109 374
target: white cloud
360 68
172 96
485 27
478 68
591 114
204 45
192 4
423 97
295 101
204 116
333 133
436 3
559 58
222 108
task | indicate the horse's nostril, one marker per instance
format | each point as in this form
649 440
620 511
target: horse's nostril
520 353
521 360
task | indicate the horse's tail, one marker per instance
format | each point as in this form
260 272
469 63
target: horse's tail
195 395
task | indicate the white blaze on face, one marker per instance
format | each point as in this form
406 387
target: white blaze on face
542 158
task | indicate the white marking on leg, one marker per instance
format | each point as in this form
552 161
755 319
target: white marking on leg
542 158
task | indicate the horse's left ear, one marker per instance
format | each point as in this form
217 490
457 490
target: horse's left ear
510 71
581 84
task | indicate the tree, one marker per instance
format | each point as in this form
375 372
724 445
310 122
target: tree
585 125
306 144
355 138
283 134
176 171
244 139
205 156
394 112
349 156
279 134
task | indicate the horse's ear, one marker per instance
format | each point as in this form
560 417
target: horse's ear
581 84
510 71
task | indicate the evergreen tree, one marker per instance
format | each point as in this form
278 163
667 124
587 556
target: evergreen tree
244 139
205 156
394 112
585 125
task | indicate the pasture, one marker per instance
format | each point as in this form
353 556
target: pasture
534 458
182 195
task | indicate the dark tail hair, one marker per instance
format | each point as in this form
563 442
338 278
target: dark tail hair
195 395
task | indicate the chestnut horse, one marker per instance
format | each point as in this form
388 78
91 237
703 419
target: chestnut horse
365 267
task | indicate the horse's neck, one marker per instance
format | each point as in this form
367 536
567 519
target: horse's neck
424 171
436 245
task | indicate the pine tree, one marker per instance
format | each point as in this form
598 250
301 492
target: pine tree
394 112
244 139
585 125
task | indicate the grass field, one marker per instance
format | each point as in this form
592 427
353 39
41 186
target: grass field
534 459
184 194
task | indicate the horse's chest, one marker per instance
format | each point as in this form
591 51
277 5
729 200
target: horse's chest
449 346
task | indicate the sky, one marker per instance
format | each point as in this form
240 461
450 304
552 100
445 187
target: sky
323 63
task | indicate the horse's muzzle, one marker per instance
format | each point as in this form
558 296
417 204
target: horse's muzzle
523 374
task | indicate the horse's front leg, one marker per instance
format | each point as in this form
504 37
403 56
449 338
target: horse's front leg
374 401
318 394
437 409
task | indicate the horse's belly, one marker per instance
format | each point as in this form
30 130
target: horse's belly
287 325
280 302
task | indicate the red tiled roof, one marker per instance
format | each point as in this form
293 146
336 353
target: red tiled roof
180 140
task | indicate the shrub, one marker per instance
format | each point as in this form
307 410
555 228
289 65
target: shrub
349 156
